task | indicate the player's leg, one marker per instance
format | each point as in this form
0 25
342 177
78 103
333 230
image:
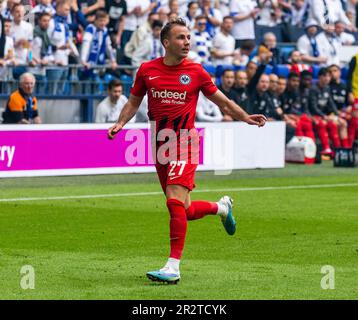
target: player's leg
307 127
343 132
322 134
333 133
223 208
176 195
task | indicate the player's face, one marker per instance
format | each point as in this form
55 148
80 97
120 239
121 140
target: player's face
264 83
294 83
115 93
281 86
241 79
335 73
324 80
178 43
307 82
273 82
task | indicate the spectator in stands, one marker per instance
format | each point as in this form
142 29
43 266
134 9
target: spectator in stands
21 107
117 10
96 47
7 56
223 51
206 110
329 45
172 16
308 45
89 8
345 38
296 64
137 15
163 16
77 23
42 50
109 108
270 14
241 83
43 6
142 113
61 41
243 54
151 48
173 6
244 13
201 42
140 35
191 13
270 42
325 12
22 34
299 13
213 16
6 11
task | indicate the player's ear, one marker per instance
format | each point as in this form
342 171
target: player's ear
165 43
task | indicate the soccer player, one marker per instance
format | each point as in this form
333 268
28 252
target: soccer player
173 83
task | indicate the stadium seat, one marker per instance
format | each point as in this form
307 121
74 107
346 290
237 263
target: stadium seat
315 70
261 30
268 69
127 83
282 70
220 69
210 68
286 50
344 73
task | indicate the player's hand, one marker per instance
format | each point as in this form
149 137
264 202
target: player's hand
256 120
114 130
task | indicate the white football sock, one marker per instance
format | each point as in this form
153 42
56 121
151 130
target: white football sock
173 264
222 209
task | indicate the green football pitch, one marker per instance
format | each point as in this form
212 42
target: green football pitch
95 237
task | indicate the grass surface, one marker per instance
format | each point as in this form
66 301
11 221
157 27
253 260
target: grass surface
101 248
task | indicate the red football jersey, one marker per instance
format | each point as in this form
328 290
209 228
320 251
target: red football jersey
172 92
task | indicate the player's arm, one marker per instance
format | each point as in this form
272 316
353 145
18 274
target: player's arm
129 110
229 107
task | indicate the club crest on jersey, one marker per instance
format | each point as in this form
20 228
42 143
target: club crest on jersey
184 79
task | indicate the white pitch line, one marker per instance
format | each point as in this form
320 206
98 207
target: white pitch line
135 194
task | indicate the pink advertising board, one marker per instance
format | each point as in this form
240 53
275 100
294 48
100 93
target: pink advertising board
59 150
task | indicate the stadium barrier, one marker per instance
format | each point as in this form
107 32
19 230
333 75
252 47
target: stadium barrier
83 149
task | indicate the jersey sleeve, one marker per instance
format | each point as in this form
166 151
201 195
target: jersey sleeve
207 87
139 88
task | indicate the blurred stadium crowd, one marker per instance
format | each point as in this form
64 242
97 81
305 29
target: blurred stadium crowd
282 58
